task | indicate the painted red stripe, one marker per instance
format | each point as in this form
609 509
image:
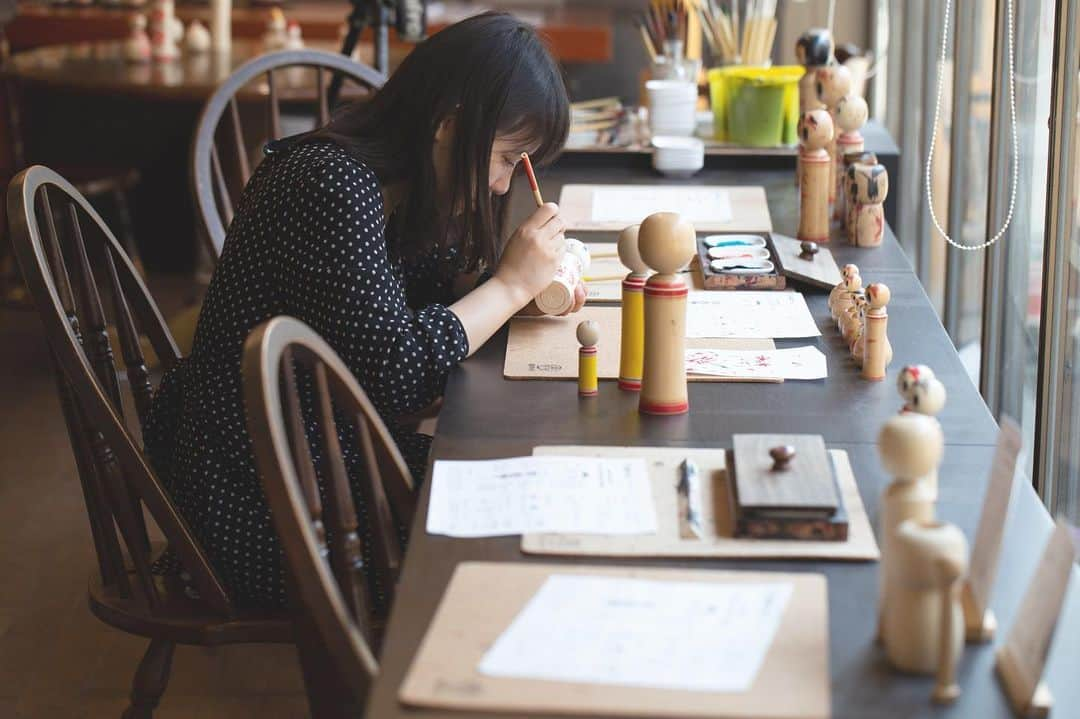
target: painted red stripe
630 385
588 350
664 407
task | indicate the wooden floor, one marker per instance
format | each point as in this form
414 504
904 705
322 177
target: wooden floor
56 659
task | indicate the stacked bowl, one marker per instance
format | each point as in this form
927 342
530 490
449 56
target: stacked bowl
678 156
672 107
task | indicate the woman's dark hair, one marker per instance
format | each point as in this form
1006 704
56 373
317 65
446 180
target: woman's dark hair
494 75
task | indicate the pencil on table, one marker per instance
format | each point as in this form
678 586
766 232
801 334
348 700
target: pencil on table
532 179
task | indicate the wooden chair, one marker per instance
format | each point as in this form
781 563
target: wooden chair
213 192
58 262
330 583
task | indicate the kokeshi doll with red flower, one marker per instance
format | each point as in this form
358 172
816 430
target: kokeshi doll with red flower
851 113
666 244
632 339
876 349
833 83
588 334
815 132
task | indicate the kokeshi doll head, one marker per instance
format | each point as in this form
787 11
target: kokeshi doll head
629 253
814 47
869 183
833 82
815 130
877 296
666 242
849 270
927 396
853 283
911 445
910 375
851 113
588 333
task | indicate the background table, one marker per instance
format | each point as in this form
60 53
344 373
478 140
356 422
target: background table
486 416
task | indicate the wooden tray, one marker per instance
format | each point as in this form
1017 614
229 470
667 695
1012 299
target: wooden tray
818 271
714 280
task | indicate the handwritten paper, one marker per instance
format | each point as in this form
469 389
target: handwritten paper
805 363
630 205
749 315
697 636
541 494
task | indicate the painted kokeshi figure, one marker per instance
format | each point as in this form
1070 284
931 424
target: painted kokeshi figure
162 38
870 187
833 83
855 158
851 113
666 243
815 132
846 273
813 50
632 340
588 334
558 298
921 391
877 352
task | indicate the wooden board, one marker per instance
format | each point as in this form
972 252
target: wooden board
483 598
605 263
713 280
749 208
821 271
806 486
717 520
547 347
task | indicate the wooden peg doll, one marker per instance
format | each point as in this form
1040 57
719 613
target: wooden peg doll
877 352
588 334
559 295
813 50
632 341
921 391
847 299
849 191
846 272
162 31
815 132
858 338
833 83
137 46
851 114
851 321
666 244
870 188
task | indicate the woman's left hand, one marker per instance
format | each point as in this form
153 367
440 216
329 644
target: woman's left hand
580 293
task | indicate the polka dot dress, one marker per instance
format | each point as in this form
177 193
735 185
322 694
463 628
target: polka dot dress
310 240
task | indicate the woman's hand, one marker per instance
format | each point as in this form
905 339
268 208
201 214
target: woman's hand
580 293
534 252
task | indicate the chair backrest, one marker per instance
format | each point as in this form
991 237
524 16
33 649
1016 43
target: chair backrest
116 477
213 192
331 582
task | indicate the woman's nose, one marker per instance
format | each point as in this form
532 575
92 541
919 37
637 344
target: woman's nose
501 184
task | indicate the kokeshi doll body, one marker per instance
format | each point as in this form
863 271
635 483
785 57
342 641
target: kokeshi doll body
588 334
666 243
632 340
877 353
848 191
910 447
815 131
870 188
833 83
923 624
851 113
559 295
813 50
846 273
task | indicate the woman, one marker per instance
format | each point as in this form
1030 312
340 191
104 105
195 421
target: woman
379 231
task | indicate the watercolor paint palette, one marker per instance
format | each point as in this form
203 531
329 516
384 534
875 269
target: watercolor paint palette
734 261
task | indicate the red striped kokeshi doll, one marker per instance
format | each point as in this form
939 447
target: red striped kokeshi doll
815 132
833 83
851 113
632 339
666 243
869 189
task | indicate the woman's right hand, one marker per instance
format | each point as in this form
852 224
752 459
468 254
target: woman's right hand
534 251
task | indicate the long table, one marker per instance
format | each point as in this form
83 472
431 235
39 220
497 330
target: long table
486 416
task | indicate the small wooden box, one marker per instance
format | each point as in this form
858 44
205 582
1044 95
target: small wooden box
714 280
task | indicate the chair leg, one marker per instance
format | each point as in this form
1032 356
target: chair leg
328 696
151 678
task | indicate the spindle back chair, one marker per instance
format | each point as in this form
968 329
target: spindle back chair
217 182
83 284
322 545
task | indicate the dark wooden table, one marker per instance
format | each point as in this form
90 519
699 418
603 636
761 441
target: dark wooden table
485 416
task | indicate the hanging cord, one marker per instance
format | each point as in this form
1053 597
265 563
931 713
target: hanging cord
937 119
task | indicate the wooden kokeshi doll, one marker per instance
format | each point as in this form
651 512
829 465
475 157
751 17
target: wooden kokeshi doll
588 334
923 622
910 447
869 190
815 132
666 243
833 83
851 113
851 321
846 273
848 298
921 391
855 158
813 50
558 298
877 352
632 340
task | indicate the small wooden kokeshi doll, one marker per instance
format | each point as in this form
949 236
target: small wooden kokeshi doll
847 299
846 272
162 31
855 158
588 334
833 83
870 188
137 46
851 113
815 132
921 391
632 340
558 298
851 321
877 352
910 447
858 339
923 622
666 244
813 50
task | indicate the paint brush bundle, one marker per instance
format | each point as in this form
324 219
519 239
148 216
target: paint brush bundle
741 33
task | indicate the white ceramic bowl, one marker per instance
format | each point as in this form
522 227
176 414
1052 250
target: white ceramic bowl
678 156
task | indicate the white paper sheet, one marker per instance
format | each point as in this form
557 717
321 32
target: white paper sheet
749 315
806 363
698 636
630 205
522 495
